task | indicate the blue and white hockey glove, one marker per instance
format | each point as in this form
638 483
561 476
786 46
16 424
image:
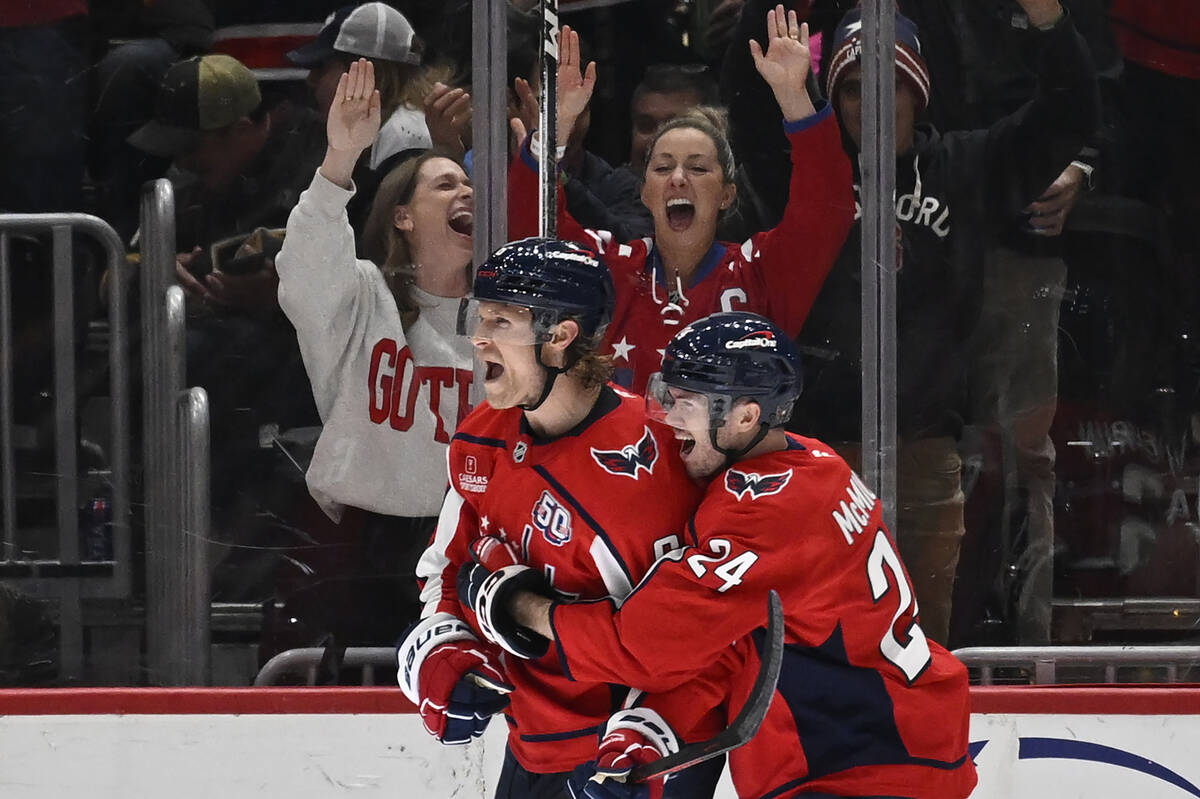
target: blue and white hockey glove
632 738
456 681
487 584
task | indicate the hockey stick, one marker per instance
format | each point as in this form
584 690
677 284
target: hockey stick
748 720
548 165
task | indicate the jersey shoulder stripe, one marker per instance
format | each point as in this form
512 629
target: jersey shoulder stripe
591 521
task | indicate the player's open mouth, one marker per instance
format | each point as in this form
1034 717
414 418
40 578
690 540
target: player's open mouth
686 442
492 371
462 223
680 213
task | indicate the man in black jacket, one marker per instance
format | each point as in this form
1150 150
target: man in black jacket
953 192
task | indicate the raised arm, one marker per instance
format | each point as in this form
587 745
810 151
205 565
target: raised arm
353 123
785 64
575 87
321 284
1028 150
782 270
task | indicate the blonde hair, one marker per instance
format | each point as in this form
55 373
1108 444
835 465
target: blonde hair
406 84
713 122
385 244
592 369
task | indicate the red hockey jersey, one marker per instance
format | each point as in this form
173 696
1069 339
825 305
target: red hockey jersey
865 704
593 509
776 273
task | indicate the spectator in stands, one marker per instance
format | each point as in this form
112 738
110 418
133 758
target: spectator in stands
238 166
390 375
668 91
953 193
628 36
683 273
382 34
980 72
124 84
235 167
665 92
598 196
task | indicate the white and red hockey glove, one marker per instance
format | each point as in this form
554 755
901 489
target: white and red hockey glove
456 681
486 586
632 738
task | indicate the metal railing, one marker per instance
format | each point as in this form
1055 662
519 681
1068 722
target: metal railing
306 663
176 456
1042 665
189 652
67 577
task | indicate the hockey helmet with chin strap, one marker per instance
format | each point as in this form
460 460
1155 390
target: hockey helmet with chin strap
726 357
552 281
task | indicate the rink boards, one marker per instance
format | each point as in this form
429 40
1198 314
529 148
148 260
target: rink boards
295 743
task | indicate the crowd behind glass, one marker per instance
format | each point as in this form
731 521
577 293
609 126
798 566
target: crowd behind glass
1049 376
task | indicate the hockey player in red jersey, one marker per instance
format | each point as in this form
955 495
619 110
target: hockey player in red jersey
865 704
562 471
683 273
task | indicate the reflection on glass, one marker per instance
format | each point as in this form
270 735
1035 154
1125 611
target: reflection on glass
1046 195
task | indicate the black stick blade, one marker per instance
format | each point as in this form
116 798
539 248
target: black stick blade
748 720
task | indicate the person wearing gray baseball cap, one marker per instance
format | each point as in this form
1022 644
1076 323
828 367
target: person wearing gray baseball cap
406 86
383 35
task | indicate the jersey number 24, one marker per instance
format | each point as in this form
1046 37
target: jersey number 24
904 644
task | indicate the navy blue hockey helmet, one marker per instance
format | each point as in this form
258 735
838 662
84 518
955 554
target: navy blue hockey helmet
727 356
553 279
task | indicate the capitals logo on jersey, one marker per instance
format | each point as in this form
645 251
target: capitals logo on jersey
629 458
740 483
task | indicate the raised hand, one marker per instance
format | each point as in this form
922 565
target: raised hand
447 114
1042 12
524 105
575 85
354 114
786 63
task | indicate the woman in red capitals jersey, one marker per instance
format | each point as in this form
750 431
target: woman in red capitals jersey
683 273
866 705
562 471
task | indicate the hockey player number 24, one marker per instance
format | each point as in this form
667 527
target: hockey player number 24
730 572
911 656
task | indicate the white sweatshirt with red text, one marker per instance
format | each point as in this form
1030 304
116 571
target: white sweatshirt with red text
389 398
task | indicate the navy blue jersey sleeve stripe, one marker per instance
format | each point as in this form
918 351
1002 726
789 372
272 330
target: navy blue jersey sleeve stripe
564 736
788 787
487 442
587 517
562 655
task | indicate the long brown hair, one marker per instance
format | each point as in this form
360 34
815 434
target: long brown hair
385 244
